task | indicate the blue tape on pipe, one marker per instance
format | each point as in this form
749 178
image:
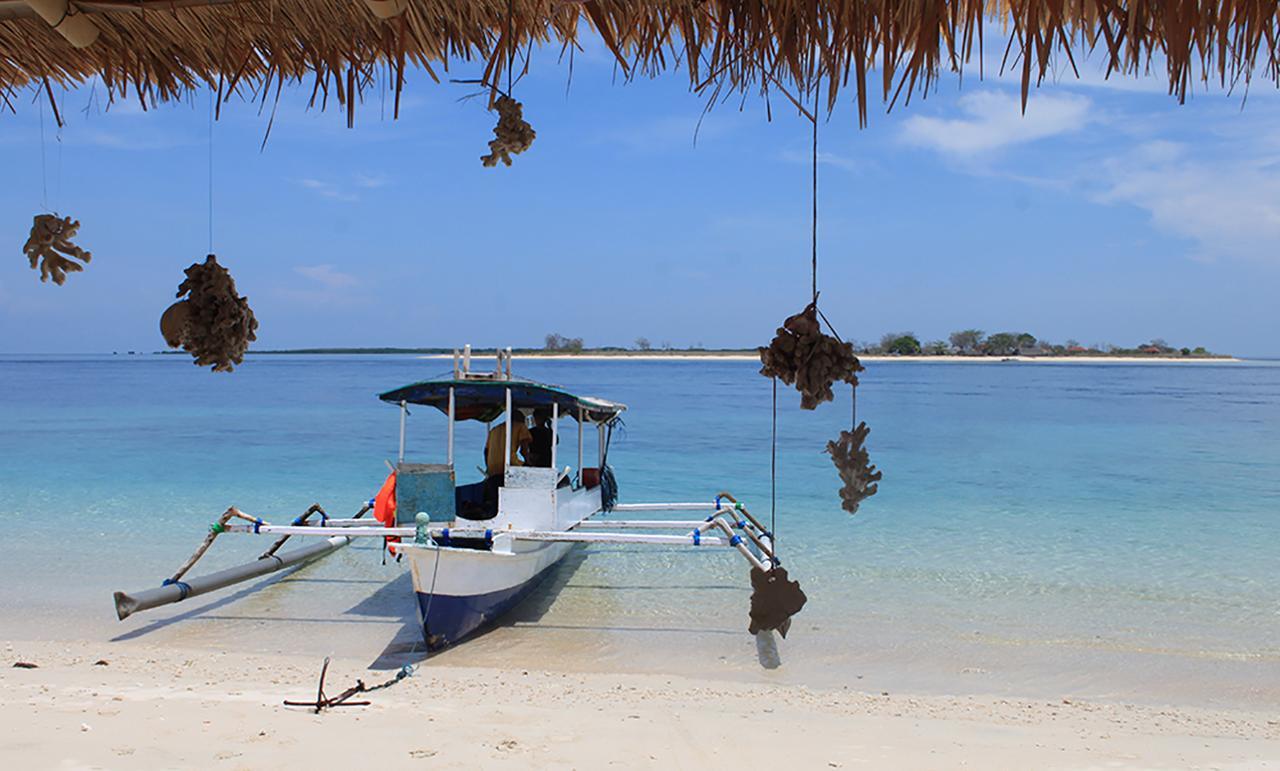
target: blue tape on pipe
717 503
697 537
257 523
184 588
734 541
444 536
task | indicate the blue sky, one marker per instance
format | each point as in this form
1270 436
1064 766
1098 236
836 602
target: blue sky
1107 214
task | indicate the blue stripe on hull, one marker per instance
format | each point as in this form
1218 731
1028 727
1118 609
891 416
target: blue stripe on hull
447 620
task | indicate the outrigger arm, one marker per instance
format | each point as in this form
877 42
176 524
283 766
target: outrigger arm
774 600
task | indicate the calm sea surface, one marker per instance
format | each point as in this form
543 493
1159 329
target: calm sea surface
1099 530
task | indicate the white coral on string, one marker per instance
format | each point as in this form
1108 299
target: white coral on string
214 324
50 245
513 134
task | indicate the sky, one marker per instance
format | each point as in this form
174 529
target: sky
1107 214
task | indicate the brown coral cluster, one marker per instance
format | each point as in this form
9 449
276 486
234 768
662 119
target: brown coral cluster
801 355
512 136
855 467
774 600
50 245
214 324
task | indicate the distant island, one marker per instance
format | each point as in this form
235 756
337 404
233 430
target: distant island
967 343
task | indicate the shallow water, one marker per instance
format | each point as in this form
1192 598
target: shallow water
1105 530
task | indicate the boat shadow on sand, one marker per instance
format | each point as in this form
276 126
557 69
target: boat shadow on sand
529 614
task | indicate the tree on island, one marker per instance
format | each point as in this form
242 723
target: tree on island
900 343
937 348
643 343
1000 344
560 343
967 340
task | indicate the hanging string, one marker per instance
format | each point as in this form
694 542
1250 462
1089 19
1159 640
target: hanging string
57 174
511 45
44 171
814 236
773 475
211 109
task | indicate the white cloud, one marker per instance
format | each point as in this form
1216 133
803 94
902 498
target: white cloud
993 120
1230 206
327 276
328 190
344 191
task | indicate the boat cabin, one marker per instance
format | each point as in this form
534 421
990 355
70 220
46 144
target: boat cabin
517 496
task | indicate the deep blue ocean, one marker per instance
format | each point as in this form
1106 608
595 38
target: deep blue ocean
1109 529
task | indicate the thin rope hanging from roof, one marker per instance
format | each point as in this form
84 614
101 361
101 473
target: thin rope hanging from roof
801 354
513 134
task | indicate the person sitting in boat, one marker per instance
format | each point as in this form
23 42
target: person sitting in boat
540 450
494 449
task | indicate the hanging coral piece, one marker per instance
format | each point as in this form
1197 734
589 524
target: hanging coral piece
214 324
49 241
774 600
512 136
856 471
801 355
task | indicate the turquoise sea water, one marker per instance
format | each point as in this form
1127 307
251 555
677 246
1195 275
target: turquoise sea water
1109 530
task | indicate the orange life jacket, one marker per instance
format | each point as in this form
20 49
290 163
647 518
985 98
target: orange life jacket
384 505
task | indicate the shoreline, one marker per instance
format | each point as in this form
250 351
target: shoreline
165 707
945 359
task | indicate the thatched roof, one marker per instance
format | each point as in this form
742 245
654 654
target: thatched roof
156 50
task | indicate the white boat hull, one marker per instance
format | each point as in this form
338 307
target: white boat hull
461 590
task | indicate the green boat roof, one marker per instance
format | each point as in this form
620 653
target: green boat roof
486 400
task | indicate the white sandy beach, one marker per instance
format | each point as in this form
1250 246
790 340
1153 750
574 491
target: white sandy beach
166 708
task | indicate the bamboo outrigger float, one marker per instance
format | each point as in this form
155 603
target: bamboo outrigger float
476 550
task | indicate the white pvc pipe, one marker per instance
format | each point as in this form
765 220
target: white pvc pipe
600 435
347 532
404 410
78 30
451 416
506 455
572 537
641 524
555 431
580 430
671 507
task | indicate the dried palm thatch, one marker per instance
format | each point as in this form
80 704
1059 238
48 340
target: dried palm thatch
155 50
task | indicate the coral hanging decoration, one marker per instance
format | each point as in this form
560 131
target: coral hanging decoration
856 471
50 240
214 324
801 355
513 134
774 600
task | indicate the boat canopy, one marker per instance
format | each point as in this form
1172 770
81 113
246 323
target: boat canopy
486 400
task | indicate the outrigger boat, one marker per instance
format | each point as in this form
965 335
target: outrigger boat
474 557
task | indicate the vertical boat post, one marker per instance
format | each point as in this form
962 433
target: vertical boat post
580 429
451 411
404 410
455 363
555 434
600 434
506 455
466 358
508 362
